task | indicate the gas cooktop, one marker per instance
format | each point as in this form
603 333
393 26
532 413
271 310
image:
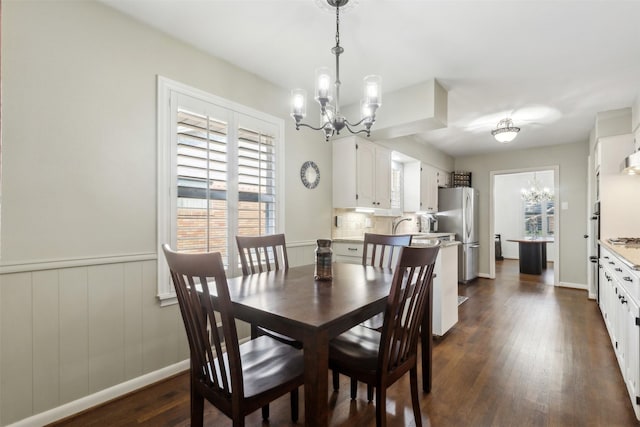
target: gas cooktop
624 240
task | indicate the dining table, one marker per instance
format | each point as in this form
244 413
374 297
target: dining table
313 312
532 253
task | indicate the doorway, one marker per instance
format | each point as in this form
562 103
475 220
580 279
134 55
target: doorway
514 217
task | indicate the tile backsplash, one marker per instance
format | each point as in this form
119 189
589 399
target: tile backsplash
355 224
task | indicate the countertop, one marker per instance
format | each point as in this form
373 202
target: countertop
533 240
416 236
629 254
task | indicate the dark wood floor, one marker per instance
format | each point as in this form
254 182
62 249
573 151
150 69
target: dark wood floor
523 354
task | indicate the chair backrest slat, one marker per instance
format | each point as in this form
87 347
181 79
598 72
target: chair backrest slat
406 305
193 276
262 253
381 250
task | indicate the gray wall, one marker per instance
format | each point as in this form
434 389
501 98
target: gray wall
572 162
78 308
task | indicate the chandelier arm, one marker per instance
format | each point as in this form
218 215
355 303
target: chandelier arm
367 131
309 126
348 123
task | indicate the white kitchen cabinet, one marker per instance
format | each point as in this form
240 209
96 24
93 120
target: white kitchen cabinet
429 182
620 308
445 281
361 174
348 252
443 178
420 187
445 289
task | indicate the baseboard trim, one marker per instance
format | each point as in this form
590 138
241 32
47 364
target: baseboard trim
573 285
102 396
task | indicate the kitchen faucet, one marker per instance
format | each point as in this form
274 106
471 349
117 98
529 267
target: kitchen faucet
396 223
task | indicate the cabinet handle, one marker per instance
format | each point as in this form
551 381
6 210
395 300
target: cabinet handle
627 279
619 270
352 249
606 257
612 263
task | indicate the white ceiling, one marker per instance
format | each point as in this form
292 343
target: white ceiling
549 65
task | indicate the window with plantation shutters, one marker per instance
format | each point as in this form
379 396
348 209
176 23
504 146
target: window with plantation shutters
218 175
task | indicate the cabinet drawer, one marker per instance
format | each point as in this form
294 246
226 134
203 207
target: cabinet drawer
347 249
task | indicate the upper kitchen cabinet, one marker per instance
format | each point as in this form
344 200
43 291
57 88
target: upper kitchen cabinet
420 187
444 179
361 174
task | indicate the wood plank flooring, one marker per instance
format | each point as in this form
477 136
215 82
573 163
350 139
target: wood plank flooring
523 354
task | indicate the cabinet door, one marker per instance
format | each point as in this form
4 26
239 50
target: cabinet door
429 188
632 347
382 186
365 173
412 185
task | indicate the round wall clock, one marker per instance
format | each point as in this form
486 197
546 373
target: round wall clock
310 174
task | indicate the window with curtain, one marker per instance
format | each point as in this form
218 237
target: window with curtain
219 168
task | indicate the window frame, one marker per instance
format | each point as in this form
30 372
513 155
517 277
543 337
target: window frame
167 93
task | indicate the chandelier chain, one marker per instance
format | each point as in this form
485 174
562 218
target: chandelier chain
337 26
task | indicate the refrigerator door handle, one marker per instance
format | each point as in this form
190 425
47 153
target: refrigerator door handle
474 246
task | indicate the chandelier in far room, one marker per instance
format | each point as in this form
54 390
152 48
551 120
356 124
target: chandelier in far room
331 120
533 194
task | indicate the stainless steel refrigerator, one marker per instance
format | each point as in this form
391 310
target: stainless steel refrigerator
458 213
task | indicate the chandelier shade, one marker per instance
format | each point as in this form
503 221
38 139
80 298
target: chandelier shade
505 131
331 120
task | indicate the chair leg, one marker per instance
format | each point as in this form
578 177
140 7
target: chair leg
265 412
381 406
336 380
294 405
254 332
197 408
354 388
369 392
238 421
413 376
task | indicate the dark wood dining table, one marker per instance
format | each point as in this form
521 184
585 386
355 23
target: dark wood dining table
532 252
291 302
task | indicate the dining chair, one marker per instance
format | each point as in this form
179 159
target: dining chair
381 358
379 250
264 253
237 379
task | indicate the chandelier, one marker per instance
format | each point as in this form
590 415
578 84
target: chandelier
505 131
534 194
331 121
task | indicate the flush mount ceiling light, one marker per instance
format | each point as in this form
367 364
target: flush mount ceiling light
331 121
505 131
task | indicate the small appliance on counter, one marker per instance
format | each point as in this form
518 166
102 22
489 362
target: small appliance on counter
428 223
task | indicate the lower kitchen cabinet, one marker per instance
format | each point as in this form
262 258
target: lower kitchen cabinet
619 303
445 281
445 289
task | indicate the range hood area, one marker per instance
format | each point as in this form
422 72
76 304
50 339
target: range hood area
631 165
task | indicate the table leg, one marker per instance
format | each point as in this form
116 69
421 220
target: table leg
530 258
543 248
316 383
426 337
